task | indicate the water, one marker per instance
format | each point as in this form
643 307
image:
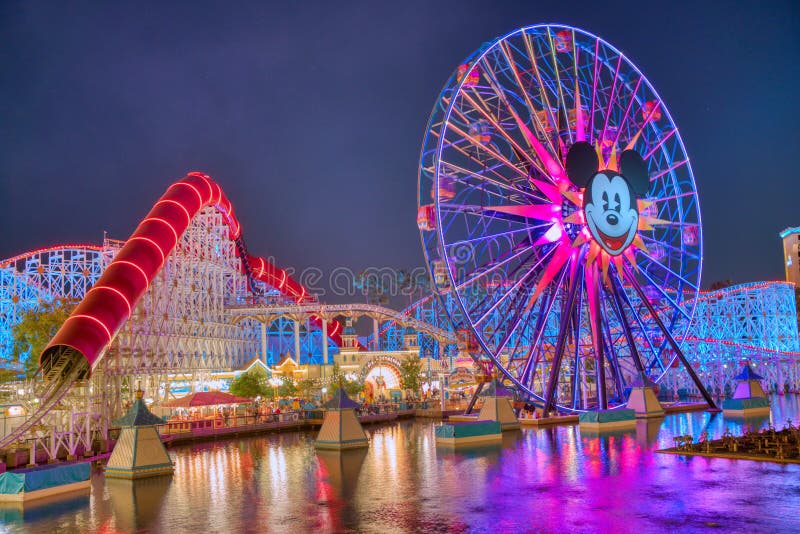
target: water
552 480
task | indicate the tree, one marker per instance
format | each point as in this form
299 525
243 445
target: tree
305 386
250 385
8 375
351 387
411 373
287 388
372 286
35 330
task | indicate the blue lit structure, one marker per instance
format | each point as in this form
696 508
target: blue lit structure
39 276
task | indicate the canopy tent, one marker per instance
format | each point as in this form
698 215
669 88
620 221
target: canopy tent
206 398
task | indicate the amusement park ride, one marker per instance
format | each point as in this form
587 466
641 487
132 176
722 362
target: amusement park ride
561 226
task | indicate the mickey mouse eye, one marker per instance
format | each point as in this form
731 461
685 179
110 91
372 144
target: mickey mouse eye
617 204
605 200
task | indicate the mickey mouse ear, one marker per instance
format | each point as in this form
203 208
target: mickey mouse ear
634 169
582 163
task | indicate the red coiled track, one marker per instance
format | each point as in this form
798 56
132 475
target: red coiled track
92 325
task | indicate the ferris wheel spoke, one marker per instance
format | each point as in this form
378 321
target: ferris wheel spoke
666 295
505 185
670 247
633 140
542 91
493 268
483 109
619 312
659 143
670 169
620 291
493 153
531 109
490 237
594 88
493 169
560 95
611 99
519 150
541 322
515 287
555 171
502 184
654 262
626 114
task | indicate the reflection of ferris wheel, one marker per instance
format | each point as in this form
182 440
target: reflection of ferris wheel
557 208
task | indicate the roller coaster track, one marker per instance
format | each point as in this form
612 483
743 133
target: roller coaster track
83 338
402 318
53 392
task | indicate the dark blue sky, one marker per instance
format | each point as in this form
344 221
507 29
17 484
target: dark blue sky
311 115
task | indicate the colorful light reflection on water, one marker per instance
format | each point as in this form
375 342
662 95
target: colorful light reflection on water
557 479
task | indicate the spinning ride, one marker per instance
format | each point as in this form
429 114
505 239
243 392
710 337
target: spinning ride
557 207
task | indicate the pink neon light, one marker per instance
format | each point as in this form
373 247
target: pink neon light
199 196
95 319
144 275
210 189
158 248
118 292
176 184
174 233
45 250
181 206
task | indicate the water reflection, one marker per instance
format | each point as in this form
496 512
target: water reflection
549 479
137 503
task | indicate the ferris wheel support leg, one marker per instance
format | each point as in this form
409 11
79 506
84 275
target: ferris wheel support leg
530 361
626 327
667 334
600 367
613 359
576 372
562 338
474 399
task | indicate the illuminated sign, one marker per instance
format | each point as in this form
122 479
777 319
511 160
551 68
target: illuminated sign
609 200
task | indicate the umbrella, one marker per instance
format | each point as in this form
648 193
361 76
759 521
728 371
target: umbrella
206 398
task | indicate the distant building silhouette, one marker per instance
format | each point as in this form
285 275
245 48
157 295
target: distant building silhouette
791 254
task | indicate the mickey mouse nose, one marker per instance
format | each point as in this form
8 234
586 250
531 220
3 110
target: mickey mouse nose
612 219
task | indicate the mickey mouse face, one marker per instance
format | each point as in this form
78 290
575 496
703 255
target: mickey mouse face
609 201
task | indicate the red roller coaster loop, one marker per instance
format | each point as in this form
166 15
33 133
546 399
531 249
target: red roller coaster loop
92 325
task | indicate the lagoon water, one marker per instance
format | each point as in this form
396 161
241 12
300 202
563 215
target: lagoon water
543 480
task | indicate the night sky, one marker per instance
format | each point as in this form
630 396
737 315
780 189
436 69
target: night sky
311 116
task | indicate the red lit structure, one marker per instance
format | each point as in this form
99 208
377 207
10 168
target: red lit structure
91 327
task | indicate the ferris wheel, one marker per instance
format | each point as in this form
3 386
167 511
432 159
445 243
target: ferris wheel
559 217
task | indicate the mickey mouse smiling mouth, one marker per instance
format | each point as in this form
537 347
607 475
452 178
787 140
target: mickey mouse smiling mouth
609 200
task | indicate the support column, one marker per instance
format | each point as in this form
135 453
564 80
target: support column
297 340
376 331
324 341
264 342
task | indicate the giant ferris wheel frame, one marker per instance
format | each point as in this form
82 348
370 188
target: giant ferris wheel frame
504 228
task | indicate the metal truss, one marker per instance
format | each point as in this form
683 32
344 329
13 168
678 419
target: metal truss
31 279
755 322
